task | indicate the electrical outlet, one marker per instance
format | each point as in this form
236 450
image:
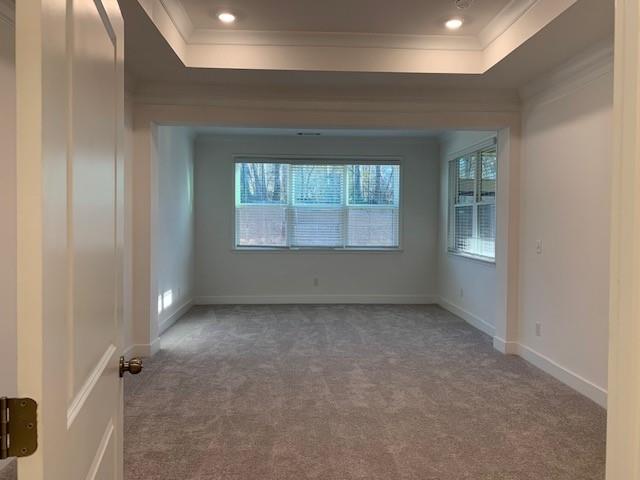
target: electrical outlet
539 247
316 282
538 329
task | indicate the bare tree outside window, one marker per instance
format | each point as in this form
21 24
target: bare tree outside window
295 205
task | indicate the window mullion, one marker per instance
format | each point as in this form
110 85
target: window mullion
290 197
344 203
476 208
478 182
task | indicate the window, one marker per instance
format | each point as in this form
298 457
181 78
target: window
472 203
306 204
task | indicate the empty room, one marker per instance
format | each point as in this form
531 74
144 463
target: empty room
327 306
328 240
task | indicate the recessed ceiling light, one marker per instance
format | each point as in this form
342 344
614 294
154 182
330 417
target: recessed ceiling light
453 23
226 17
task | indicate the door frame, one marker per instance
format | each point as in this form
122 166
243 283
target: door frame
623 429
8 211
170 109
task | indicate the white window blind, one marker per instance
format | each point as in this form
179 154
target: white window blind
317 205
472 203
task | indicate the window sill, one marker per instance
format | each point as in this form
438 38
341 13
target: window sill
314 250
476 258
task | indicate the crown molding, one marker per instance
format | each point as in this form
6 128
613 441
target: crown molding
510 14
440 100
8 11
592 64
329 39
356 52
179 16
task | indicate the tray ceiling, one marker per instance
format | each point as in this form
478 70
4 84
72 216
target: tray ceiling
403 36
400 17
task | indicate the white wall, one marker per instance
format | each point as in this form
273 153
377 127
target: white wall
565 203
563 200
466 286
174 254
8 339
227 276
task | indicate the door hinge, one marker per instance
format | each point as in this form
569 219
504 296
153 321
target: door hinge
18 427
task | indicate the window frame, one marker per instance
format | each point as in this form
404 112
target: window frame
319 160
491 144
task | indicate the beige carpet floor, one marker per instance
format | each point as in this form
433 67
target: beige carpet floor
9 471
350 392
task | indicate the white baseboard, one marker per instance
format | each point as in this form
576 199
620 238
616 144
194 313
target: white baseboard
506 347
469 317
164 325
147 350
566 376
311 299
144 350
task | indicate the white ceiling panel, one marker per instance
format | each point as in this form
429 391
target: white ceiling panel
398 17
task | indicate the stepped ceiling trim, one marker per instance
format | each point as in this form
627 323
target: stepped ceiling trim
518 21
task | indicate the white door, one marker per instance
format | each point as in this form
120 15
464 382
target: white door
69 59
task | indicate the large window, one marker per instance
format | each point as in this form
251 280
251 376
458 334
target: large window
307 204
472 203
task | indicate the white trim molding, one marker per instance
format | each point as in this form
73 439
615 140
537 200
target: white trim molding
179 17
339 40
564 375
553 368
544 363
143 350
362 100
107 440
470 318
315 299
581 71
504 346
516 23
510 14
164 325
623 419
89 385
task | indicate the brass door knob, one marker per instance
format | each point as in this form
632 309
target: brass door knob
133 366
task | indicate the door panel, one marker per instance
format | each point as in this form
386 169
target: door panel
70 228
92 167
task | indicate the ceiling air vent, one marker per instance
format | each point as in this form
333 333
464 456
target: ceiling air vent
309 134
462 4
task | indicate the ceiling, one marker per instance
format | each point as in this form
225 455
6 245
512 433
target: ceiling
150 59
377 36
404 17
